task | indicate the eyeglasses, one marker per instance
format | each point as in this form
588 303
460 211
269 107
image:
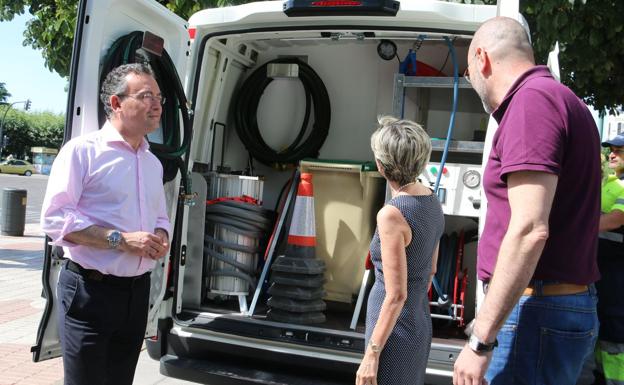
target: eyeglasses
617 151
467 71
467 75
147 96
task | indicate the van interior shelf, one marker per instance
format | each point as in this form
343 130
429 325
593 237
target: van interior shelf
431 81
467 146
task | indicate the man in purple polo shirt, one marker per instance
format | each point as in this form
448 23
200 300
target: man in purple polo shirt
105 205
537 253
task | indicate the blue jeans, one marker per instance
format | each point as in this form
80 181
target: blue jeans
545 340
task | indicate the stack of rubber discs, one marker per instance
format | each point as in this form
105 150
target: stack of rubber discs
297 277
297 290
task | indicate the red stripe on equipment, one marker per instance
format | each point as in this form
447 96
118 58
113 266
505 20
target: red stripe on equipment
242 198
305 185
368 264
299 240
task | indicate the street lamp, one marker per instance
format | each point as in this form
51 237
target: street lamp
26 108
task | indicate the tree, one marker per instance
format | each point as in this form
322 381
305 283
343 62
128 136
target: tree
38 129
590 34
51 29
591 38
4 94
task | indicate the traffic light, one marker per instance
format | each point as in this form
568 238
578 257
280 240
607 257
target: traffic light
27 106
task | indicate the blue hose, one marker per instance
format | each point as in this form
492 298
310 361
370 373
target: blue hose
444 299
449 134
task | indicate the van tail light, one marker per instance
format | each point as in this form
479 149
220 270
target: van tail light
294 8
336 3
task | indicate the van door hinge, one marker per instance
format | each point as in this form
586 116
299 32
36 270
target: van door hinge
183 256
189 199
348 35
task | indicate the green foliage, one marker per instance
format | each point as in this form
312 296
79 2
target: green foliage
26 130
590 34
51 30
591 39
4 94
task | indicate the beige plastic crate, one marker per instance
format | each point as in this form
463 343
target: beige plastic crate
346 201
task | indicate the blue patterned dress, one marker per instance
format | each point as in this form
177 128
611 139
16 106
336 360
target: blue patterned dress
404 357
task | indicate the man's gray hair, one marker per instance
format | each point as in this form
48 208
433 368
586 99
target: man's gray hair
117 84
402 147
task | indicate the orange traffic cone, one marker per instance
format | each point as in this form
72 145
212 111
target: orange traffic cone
297 279
302 233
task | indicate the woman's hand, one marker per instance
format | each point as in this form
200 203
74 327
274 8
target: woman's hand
367 372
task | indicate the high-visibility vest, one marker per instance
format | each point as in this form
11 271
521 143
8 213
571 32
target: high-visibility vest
612 195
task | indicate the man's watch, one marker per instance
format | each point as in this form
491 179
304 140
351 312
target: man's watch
114 238
479 346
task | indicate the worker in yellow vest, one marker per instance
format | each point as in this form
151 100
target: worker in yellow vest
610 347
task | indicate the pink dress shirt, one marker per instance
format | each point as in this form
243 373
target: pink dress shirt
99 179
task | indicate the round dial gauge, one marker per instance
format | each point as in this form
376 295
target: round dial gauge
472 178
386 49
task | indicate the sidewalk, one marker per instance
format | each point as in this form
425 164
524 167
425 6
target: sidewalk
21 306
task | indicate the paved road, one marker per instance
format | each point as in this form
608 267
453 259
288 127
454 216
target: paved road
21 305
35 189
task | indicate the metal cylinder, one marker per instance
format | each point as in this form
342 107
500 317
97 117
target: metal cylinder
13 211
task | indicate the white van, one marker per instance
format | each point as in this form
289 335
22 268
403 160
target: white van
253 75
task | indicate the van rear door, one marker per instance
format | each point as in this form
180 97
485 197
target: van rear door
99 24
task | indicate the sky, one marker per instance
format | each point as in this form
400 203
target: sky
23 71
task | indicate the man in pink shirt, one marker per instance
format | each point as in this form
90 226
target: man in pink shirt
105 205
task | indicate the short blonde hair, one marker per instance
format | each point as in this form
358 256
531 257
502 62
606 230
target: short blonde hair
402 147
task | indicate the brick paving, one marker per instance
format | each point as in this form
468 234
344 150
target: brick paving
21 306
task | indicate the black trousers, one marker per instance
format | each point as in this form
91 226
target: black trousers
101 326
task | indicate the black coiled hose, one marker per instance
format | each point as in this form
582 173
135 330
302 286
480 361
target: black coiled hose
126 50
251 221
245 114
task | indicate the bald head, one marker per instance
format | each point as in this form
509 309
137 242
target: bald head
505 39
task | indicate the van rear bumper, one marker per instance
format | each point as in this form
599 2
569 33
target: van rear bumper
228 372
216 360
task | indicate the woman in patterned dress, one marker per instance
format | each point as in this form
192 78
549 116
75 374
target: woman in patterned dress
404 251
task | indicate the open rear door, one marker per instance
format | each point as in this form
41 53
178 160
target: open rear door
99 24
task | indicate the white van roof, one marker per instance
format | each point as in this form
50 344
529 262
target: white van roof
420 14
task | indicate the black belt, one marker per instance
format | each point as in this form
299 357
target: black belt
95 275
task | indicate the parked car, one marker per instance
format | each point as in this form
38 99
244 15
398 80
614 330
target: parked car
17 166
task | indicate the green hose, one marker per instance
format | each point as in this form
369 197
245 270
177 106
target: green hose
127 49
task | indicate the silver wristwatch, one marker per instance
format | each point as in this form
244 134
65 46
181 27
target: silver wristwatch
478 346
114 238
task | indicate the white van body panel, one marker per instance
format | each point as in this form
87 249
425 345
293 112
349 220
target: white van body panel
427 14
105 21
229 44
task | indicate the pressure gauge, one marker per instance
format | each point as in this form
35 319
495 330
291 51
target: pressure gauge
472 178
386 49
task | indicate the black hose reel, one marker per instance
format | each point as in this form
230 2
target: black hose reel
128 49
246 107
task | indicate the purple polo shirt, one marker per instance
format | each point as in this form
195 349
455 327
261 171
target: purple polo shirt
544 127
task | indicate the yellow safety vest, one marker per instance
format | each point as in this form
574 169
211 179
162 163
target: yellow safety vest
612 197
